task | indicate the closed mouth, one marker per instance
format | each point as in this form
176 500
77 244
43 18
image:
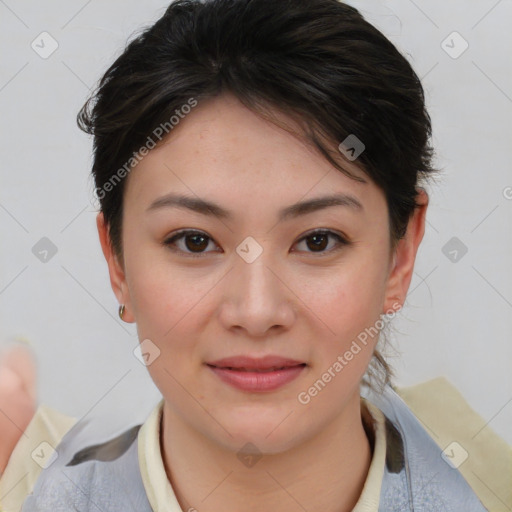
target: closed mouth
257 370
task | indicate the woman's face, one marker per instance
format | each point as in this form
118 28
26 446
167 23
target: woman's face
254 281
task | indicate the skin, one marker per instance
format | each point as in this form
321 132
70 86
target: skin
291 301
17 397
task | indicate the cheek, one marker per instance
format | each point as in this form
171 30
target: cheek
347 299
165 305
162 296
346 310
166 309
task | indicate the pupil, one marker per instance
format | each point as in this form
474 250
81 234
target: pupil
194 245
317 245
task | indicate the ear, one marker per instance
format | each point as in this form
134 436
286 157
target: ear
405 255
115 269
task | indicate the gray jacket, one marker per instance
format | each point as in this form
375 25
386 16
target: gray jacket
105 476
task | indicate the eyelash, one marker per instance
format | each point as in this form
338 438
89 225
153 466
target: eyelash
341 241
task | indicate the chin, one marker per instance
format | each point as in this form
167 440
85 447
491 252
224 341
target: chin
269 435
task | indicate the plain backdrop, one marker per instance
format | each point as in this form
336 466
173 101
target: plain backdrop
457 319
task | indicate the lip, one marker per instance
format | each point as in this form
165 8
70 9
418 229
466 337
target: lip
255 363
256 374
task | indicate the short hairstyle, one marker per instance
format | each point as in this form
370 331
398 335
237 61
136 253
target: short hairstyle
317 61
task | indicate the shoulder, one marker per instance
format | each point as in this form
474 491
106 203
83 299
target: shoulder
91 470
427 477
466 440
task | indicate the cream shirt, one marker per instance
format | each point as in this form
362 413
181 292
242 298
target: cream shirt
161 495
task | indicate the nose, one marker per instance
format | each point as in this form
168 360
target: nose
256 298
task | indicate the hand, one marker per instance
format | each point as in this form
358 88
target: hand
17 396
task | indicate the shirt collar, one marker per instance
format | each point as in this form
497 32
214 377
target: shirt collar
161 495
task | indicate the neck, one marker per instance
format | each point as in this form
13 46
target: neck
327 472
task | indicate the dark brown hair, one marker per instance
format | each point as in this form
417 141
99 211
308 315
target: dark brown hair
317 61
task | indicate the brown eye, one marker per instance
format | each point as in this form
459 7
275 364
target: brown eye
318 241
195 242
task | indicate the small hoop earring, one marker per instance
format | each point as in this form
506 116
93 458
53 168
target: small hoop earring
121 311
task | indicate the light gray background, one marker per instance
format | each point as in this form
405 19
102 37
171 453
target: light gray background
458 316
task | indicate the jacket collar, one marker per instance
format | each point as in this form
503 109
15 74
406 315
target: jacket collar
416 476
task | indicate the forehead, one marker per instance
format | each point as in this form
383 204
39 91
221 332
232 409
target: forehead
224 150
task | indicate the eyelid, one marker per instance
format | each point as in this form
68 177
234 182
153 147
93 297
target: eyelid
182 234
342 240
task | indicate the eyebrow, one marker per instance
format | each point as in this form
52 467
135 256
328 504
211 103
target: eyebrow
295 210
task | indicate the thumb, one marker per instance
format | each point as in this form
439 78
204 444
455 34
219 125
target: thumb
18 368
